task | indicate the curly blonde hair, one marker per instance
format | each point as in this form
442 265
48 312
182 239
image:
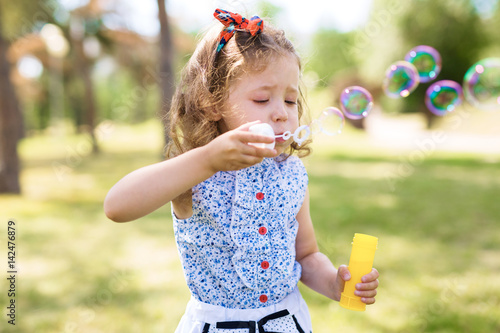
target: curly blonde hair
205 81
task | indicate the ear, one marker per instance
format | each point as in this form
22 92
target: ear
213 114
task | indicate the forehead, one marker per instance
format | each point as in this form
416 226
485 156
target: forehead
280 71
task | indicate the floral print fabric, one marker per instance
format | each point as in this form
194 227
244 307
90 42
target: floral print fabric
238 247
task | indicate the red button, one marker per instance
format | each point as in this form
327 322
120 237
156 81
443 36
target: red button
259 196
262 230
263 298
264 264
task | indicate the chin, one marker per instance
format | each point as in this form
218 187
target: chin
282 148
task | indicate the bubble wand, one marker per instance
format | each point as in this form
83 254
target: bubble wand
331 122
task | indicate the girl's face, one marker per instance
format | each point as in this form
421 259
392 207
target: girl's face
269 96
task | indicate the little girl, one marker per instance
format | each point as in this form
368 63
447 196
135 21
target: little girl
241 212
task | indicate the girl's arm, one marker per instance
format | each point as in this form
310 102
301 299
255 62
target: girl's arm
318 272
147 189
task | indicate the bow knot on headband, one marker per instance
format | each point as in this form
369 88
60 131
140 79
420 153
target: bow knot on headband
234 21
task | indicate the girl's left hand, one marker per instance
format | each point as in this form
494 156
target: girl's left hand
366 289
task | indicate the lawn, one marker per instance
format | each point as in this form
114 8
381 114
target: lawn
437 219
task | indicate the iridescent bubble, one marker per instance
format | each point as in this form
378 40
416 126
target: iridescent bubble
330 122
482 84
401 79
356 102
443 97
426 60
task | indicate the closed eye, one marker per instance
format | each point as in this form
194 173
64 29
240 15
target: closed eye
261 101
291 102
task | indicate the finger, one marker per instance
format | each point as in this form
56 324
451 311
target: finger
251 160
366 294
245 135
252 150
343 273
265 152
368 300
372 276
342 276
367 286
255 138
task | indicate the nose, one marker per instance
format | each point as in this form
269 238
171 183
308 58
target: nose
279 113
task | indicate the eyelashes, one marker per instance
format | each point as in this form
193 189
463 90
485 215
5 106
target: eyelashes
264 101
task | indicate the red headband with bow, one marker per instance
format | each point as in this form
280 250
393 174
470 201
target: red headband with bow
233 21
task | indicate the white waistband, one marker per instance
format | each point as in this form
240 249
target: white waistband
212 314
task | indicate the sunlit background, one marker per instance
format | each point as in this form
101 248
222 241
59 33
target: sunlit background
83 90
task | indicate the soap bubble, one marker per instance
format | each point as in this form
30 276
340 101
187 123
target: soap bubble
443 96
482 84
331 122
426 60
356 102
401 79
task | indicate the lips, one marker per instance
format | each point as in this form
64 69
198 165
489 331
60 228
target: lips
280 139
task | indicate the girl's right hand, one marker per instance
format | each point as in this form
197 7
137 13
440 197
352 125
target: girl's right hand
231 151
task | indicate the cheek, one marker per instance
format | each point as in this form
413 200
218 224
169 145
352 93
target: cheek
250 112
234 119
294 119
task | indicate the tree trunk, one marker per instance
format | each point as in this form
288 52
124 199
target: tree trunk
83 68
357 123
167 77
429 117
11 125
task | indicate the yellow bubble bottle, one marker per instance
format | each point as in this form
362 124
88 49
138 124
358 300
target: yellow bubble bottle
360 263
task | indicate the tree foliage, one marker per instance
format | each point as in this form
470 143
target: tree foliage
331 53
453 27
21 17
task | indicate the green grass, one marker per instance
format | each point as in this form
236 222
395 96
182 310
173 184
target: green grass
437 225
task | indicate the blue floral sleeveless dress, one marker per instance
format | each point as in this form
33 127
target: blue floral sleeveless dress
238 247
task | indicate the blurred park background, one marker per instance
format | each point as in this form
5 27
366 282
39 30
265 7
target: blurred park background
83 87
